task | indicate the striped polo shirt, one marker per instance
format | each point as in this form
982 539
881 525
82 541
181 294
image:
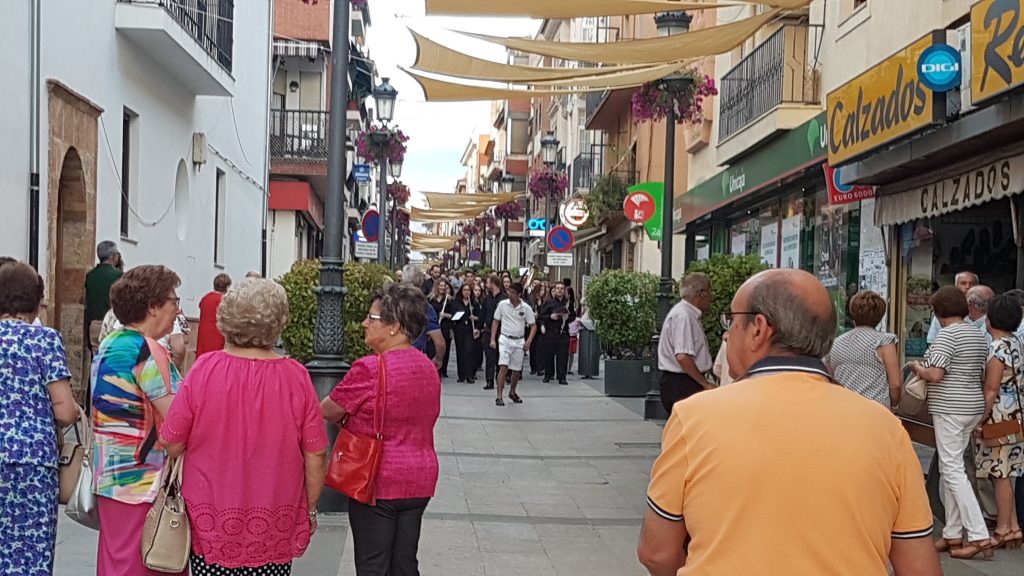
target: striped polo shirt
962 351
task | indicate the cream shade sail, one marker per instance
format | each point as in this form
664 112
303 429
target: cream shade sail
437 59
560 9
431 239
627 78
695 44
442 91
418 214
442 201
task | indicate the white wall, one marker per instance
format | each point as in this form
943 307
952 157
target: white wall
282 243
82 49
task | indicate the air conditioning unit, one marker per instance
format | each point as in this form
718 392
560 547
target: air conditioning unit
961 38
198 148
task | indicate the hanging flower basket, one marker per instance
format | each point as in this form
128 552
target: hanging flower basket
548 184
470 229
395 147
484 222
358 3
402 217
510 211
653 102
398 192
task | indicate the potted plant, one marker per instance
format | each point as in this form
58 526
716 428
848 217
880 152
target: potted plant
727 273
622 305
684 93
606 197
393 147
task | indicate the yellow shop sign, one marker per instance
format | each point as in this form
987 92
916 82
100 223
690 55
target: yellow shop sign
997 47
882 104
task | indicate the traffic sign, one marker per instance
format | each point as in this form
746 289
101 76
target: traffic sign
474 255
561 239
361 173
639 207
574 213
556 259
366 250
371 225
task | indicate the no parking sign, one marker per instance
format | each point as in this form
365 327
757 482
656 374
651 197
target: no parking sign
561 239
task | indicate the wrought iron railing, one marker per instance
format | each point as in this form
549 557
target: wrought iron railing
584 169
776 72
298 135
211 23
594 101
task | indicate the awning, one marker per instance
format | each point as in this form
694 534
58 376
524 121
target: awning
297 196
971 187
360 71
298 48
589 234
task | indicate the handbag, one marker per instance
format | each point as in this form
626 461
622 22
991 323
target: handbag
69 458
166 534
81 500
913 402
355 460
1007 432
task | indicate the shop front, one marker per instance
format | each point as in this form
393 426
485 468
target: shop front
781 204
950 181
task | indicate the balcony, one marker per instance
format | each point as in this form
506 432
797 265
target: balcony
773 89
191 39
496 166
584 169
607 110
298 136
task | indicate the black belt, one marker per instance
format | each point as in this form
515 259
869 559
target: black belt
512 337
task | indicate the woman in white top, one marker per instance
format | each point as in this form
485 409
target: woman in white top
864 359
954 367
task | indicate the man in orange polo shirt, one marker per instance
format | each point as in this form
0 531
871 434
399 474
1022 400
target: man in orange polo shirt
783 472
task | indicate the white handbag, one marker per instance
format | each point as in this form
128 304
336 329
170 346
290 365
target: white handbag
82 503
166 534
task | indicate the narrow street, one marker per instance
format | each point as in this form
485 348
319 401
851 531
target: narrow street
554 486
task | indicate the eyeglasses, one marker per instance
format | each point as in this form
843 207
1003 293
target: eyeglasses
176 300
373 316
727 317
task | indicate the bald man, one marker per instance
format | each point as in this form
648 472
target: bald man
743 469
963 281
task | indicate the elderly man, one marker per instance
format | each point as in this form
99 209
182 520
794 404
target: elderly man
977 308
97 288
743 470
963 281
683 355
413 274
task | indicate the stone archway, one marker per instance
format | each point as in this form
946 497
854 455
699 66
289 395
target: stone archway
71 210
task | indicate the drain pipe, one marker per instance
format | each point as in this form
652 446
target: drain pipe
33 155
266 141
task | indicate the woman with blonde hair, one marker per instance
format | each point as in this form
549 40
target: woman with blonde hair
443 302
246 413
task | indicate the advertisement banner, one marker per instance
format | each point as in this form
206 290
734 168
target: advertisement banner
791 241
839 193
997 30
770 244
654 224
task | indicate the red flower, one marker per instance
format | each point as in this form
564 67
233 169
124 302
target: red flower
398 192
548 184
395 147
511 211
652 103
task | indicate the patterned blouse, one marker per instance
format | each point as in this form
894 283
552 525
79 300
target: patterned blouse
126 377
858 367
31 357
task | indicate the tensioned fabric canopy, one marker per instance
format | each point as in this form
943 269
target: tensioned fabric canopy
695 44
437 59
560 9
418 214
442 201
627 78
431 239
441 91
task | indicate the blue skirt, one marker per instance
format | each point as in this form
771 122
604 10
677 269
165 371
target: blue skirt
28 519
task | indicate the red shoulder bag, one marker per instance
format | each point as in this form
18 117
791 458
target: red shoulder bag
355 460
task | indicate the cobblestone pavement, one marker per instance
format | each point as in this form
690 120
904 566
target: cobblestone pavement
554 486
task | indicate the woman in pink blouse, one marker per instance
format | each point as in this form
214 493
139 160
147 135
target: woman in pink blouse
386 536
249 424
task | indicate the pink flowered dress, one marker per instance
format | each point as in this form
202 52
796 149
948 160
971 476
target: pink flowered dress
246 424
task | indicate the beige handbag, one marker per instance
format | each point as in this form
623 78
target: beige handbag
76 477
914 398
69 457
166 535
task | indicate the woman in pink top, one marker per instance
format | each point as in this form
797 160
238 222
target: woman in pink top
249 424
386 536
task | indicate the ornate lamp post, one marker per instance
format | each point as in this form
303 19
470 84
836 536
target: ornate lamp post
549 154
507 182
384 95
669 23
327 367
395 167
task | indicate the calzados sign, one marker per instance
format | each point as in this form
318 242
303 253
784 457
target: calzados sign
882 104
997 47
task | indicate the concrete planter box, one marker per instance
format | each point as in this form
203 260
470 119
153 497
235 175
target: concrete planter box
629 378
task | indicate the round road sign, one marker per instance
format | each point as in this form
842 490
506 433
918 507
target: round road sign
371 225
574 213
561 239
639 207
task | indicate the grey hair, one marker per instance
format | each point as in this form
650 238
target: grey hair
798 329
413 274
404 305
975 298
977 279
106 250
253 313
693 283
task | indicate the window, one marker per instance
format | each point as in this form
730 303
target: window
219 210
129 162
848 7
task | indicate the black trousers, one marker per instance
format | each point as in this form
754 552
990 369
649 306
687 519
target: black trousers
676 386
465 347
490 357
446 331
387 536
536 354
556 355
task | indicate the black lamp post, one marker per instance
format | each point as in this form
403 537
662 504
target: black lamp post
507 183
327 367
668 23
549 155
395 167
384 95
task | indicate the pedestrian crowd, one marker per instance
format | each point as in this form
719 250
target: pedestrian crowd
821 403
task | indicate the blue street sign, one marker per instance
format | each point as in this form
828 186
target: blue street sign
371 225
474 255
361 173
561 239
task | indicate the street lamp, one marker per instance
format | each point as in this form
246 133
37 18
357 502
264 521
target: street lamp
508 182
669 23
385 96
549 154
395 167
328 367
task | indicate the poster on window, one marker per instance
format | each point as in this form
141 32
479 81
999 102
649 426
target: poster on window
739 244
704 252
770 244
791 241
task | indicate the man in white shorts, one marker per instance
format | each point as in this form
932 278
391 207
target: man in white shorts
511 319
